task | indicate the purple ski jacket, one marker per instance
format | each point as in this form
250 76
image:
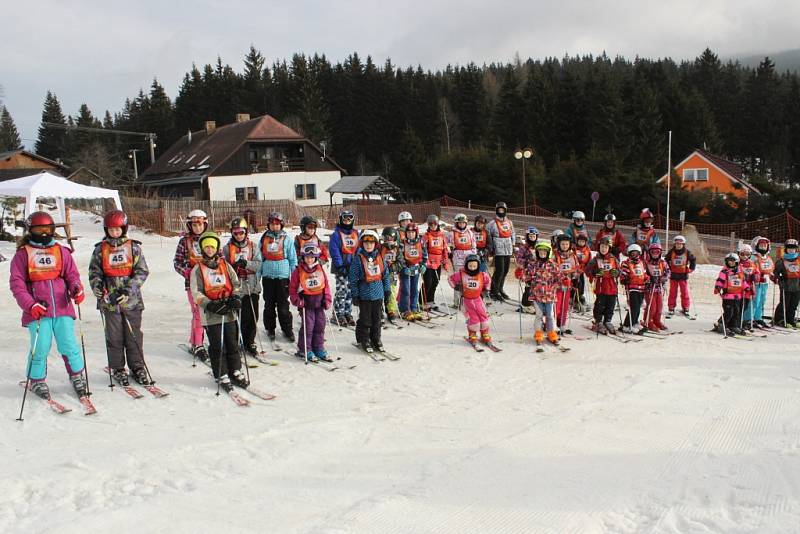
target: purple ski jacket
55 293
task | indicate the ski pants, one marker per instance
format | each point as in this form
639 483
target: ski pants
544 316
635 299
368 326
121 343
580 294
755 311
654 306
276 297
196 327
731 313
224 360
791 299
343 298
526 295
563 295
390 304
430 281
409 293
475 314
603 311
501 265
63 329
674 287
249 319
312 330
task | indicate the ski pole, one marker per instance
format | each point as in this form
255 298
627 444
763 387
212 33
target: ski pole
83 348
438 285
305 335
519 310
741 314
238 318
255 321
629 311
336 343
138 346
424 301
28 371
783 300
722 320
108 354
455 322
221 350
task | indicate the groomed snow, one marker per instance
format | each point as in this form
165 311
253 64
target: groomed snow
690 434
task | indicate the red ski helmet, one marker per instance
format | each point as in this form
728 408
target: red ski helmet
39 218
115 218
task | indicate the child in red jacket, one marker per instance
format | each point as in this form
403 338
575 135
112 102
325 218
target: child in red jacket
310 292
603 271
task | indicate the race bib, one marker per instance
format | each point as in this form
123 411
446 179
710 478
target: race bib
119 257
678 261
216 279
793 268
736 282
413 253
373 269
273 247
349 242
313 282
472 284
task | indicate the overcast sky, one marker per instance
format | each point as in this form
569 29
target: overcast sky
101 52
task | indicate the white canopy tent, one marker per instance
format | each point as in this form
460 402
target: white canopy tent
48 185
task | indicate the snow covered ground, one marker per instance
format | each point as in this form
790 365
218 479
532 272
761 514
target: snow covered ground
689 434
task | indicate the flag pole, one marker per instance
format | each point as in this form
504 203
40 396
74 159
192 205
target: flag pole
669 184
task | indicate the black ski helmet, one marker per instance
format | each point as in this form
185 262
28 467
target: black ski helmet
305 221
500 206
470 258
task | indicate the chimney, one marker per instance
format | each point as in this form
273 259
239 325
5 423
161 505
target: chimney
242 117
211 126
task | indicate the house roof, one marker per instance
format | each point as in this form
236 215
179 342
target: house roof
201 153
375 185
86 170
732 170
12 174
10 153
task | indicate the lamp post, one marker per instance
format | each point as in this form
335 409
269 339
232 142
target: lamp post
523 154
132 155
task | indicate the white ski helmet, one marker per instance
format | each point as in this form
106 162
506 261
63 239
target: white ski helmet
196 216
370 234
578 215
634 248
460 217
732 256
404 216
679 239
757 239
744 248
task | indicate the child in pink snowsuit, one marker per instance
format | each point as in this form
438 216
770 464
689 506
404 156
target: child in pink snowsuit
472 283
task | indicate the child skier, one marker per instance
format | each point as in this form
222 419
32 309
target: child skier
731 285
787 275
240 252
434 241
766 268
501 246
578 227
523 257
187 255
461 241
635 279
481 242
389 255
658 271
278 260
404 218
750 269
568 270
45 282
412 257
603 271
310 293
543 278
308 236
644 234
471 283
215 288
681 263
343 246
609 228
117 271
584 255
369 280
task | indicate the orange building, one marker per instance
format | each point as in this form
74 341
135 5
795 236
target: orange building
703 170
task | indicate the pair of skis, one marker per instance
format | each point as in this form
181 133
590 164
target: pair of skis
85 401
377 356
133 392
478 348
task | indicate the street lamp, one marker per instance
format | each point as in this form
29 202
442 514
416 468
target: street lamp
132 155
523 154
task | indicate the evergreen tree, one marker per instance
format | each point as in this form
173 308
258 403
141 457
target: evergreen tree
9 136
51 142
159 118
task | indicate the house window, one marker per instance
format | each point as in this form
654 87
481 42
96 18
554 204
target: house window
695 175
305 191
246 193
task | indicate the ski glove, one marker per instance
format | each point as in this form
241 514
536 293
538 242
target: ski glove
458 286
614 273
422 269
38 310
518 273
119 296
356 301
98 292
240 264
234 302
78 295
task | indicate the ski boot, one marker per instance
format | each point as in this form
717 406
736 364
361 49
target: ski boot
238 378
141 377
418 316
485 337
271 334
322 354
251 349
409 316
552 337
610 328
79 385
121 376
392 316
686 313
671 313
40 389
289 336
350 320
599 328
225 383
378 346
366 347
200 353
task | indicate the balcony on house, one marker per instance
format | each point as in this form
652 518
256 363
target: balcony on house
285 157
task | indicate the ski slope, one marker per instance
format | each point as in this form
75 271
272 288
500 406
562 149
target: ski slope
689 434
